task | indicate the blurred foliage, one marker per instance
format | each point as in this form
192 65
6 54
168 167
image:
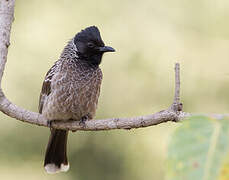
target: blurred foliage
198 150
224 173
149 36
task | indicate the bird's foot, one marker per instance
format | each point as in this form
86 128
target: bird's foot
49 123
83 120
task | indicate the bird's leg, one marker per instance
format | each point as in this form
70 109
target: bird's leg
83 120
49 123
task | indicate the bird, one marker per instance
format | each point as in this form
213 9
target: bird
70 91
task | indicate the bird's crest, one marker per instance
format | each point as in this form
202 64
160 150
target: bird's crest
89 34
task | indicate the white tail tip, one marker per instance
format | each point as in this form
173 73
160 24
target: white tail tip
52 168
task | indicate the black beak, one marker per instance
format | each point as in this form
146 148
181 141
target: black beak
106 49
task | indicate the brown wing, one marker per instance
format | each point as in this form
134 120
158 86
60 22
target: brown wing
46 87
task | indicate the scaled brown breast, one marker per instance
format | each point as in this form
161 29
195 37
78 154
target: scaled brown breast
70 90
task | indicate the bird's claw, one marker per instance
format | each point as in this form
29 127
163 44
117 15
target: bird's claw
49 123
83 120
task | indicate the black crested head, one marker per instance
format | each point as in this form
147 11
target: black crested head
90 46
89 34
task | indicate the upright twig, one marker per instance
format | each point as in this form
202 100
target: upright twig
177 105
177 84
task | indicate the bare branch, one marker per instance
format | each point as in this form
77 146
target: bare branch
177 84
120 123
171 114
6 19
177 105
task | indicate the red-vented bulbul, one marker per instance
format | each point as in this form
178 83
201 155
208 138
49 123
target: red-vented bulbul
70 91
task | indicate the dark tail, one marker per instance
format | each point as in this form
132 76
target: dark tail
56 155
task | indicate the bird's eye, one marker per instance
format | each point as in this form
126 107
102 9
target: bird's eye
90 45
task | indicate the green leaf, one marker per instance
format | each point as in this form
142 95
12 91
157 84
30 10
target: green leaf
198 149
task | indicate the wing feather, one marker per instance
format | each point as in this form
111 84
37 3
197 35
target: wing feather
46 86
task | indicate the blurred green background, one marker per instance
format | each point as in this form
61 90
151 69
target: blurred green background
149 37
